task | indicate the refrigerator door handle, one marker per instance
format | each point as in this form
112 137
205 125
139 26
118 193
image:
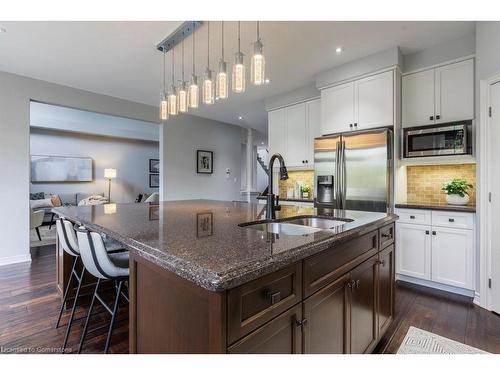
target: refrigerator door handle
344 176
337 175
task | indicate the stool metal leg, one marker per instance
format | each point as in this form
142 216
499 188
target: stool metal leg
73 309
113 316
66 292
85 328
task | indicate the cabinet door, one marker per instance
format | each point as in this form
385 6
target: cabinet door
282 335
418 99
326 314
413 250
385 306
363 322
276 131
296 135
455 92
374 101
453 257
337 109
313 128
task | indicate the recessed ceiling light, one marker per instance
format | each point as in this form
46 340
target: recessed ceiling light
339 49
261 143
2 30
240 118
267 80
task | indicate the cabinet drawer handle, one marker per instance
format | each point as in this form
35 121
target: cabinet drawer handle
431 117
350 125
274 297
381 262
386 235
438 117
433 232
358 282
451 220
350 284
412 217
426 232
301 323
356 124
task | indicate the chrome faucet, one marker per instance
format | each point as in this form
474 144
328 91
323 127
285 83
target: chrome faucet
273 200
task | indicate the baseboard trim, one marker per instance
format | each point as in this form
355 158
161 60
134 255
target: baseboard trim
15 259
477 299
432 284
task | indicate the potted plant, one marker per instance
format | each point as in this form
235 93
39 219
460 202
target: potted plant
456 191
304 190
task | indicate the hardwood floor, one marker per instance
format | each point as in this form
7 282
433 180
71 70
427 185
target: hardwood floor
29 304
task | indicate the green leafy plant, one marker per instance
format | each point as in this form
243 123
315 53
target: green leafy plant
457 186
305 189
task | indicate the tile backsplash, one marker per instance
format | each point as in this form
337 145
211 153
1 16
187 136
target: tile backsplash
424 182
307 177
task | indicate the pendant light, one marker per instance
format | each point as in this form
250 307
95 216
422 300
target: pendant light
194 91
222 79
258 62
238 81
208 84
172 96
163 95
182 94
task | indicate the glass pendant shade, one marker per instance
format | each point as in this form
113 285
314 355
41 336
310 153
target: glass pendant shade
258 65
194 93
208 88
238 81
172 102
163 107
222 81
182 98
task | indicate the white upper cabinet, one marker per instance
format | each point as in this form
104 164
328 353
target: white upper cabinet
337 109
296 135
439 95
374 101
276 131
418 98
313 128
455 92
362 104
291 132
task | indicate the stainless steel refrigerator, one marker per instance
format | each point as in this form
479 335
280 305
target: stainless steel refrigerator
354 171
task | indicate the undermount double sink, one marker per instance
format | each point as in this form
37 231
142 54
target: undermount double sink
296 226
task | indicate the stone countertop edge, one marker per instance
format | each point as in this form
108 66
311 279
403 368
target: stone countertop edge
263 197
219 283
436 207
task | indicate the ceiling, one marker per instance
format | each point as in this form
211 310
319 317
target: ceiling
120 58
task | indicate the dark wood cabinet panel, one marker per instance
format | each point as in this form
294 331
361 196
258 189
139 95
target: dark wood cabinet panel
323 268
255 303
325 328
387 236
386 269
363 307
282 335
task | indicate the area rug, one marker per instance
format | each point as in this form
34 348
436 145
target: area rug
418 341
48 236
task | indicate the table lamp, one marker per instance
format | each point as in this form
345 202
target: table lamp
109 173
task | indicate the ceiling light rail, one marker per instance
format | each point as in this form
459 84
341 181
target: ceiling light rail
181 33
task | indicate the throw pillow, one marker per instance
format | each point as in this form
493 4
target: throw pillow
56 201
41 203
35 196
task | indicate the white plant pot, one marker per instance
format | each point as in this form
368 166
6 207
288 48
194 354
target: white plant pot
457 200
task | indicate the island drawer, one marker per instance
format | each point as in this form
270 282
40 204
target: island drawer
386 236
252 304
325 267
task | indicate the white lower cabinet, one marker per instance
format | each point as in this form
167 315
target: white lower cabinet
453 257
442 253
414 250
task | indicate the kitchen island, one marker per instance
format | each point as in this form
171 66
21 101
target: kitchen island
203 279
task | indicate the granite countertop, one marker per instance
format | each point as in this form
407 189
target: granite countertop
263 197
201 241
436 206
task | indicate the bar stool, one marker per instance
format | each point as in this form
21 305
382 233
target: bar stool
104 266
69 243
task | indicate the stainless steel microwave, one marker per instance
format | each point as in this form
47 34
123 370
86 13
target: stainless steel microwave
443 139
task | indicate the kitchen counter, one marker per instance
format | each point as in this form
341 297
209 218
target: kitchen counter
200 240
302 200
436 206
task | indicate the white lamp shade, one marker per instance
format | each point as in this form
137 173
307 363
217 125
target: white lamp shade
110 173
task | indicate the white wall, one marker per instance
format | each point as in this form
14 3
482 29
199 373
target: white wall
181 137
129 157
15 95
